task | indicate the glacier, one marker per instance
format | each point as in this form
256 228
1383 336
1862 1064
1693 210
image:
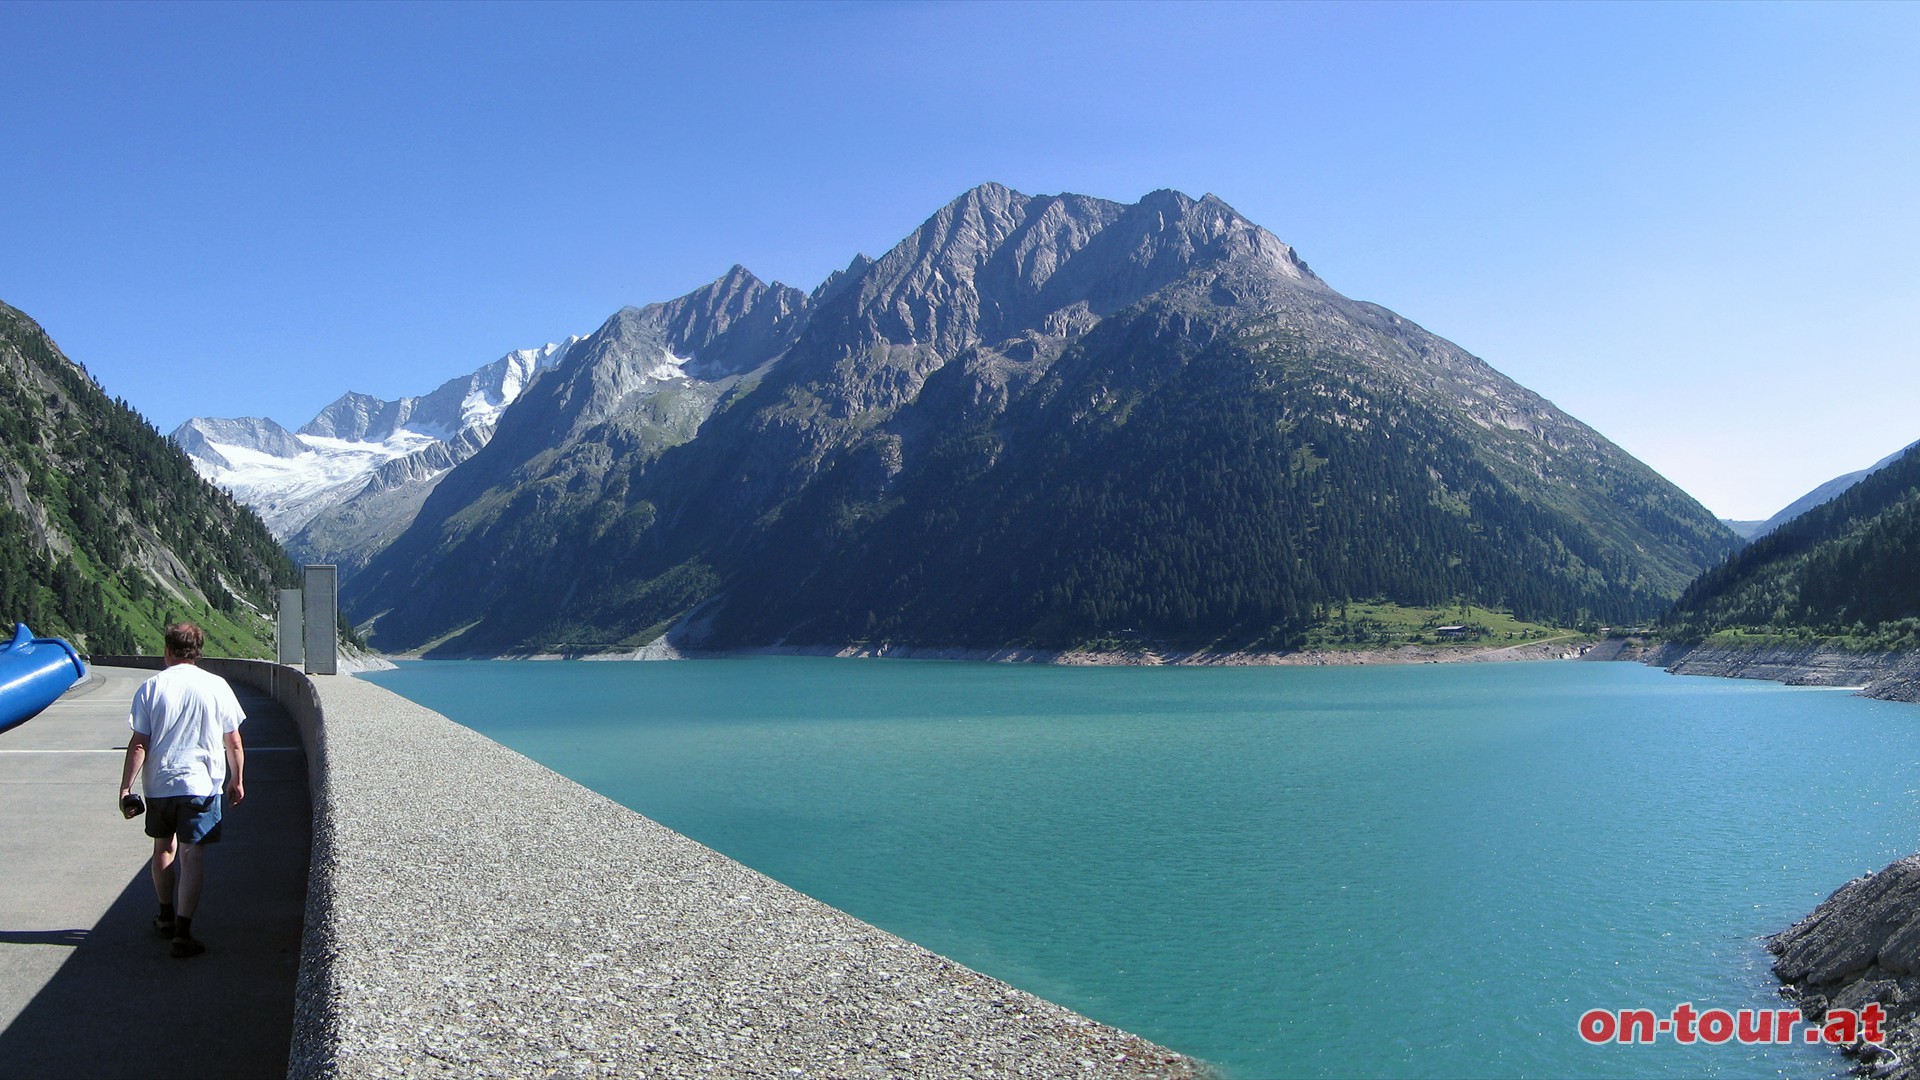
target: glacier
292 478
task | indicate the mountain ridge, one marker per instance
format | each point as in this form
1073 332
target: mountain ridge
1824 493
907 463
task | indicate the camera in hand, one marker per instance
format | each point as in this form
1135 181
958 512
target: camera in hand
132 805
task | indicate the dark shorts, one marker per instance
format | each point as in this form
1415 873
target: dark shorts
193 818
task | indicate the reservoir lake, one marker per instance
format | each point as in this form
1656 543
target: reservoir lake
1424 870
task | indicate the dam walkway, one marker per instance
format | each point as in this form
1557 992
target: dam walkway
86 988
373 915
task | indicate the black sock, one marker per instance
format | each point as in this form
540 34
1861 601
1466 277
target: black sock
183 926
166 912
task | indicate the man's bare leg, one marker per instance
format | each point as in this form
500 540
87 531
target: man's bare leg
192 870
163 876
165 879
190 867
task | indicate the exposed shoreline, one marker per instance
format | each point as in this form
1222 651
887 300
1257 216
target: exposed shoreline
1556 648
1887 676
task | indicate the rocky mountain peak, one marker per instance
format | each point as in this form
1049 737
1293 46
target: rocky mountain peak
732 324
995 265
311 481
630 352
1176 234
840 280
354 415
1035 418
462 402
729 326
966 230
472 402
199 437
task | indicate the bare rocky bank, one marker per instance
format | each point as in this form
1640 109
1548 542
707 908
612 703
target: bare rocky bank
1890 676
1862 946
1558 648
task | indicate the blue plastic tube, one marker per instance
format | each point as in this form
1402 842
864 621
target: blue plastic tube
34 672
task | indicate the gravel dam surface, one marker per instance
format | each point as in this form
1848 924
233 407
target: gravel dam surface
473 913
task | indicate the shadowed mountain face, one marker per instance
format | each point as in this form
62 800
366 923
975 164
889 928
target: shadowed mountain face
1036 420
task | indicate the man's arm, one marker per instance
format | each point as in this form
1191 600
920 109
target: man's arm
136 756
236 764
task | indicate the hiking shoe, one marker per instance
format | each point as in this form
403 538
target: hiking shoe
163 926
184 947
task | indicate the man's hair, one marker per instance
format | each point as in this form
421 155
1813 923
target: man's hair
184 641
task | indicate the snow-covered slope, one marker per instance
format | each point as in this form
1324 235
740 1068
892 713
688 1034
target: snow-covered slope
352 447
288 490
459 404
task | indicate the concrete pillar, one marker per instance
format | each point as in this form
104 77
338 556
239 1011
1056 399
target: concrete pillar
322 604
289 629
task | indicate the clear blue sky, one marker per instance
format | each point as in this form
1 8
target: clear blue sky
1696 227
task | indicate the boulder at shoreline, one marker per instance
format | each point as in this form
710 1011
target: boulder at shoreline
1860 946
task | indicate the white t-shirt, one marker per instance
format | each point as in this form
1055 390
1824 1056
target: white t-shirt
185 714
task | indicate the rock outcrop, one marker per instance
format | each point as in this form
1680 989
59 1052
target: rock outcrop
1861 946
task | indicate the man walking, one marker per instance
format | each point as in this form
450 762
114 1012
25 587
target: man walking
186 732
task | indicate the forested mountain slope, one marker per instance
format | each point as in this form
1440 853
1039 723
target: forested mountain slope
106 531
1847 568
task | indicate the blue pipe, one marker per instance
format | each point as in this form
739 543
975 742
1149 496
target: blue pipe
34 672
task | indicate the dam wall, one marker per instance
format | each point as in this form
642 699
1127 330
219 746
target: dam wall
472 913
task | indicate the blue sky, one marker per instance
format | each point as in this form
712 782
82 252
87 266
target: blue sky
1695 227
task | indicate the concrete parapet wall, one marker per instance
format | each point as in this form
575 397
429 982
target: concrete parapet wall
472 913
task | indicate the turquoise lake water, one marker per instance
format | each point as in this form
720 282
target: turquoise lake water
1405 871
